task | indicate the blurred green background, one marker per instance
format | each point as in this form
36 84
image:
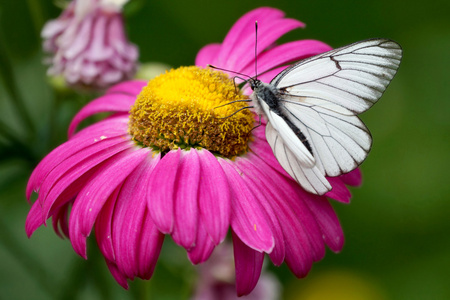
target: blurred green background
397 226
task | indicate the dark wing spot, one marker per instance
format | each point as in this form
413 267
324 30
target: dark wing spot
336 62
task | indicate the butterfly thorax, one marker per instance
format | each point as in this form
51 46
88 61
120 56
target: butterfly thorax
271 96
267 93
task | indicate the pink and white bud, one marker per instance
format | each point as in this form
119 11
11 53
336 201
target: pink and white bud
88 44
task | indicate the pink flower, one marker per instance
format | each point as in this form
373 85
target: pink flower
88 44
216 279
174 164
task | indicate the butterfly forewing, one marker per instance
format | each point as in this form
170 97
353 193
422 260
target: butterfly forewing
354 76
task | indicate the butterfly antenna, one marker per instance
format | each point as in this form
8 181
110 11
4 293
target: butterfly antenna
256 49
221 69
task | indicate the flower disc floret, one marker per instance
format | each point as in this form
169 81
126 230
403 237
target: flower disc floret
183 109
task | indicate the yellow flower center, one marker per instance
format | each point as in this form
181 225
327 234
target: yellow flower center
180 109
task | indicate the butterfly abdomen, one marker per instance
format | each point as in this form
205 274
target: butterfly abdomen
298 133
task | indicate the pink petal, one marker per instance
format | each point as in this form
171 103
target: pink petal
131 87
80 40
185 200
269 75
60 220
287 53
207 55
243 27
161 191
103 226
115 123
248 219
108 103
303 234
118 276
328 222
34 219
70 182
248 264
110 76
84 159
204 246
214 197
353 178
53 27
136 240
266 195
91 199
91 135
118 40
98 50
149 247
339 191
268 33
299 250
65 192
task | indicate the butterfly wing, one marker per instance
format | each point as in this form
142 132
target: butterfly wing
339 140
322 96
311 179
354 76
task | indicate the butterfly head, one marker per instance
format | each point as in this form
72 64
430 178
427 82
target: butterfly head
254 83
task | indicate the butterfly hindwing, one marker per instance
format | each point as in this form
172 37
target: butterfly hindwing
311 179
340 142
302 154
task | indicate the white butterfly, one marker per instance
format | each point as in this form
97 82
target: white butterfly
312 109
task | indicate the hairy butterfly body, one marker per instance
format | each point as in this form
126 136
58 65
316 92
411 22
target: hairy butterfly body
312 107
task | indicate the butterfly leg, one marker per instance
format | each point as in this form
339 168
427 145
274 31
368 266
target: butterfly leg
243 100
259 124
237 111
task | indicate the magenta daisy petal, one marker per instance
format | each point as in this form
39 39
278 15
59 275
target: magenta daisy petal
329 224
353 178
214 197
185 200
103 226
207 55
134 236
204 246
248 264
177 158
264 195
133 87
286 53
161 191
95 193
248 218
108 103
60 220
